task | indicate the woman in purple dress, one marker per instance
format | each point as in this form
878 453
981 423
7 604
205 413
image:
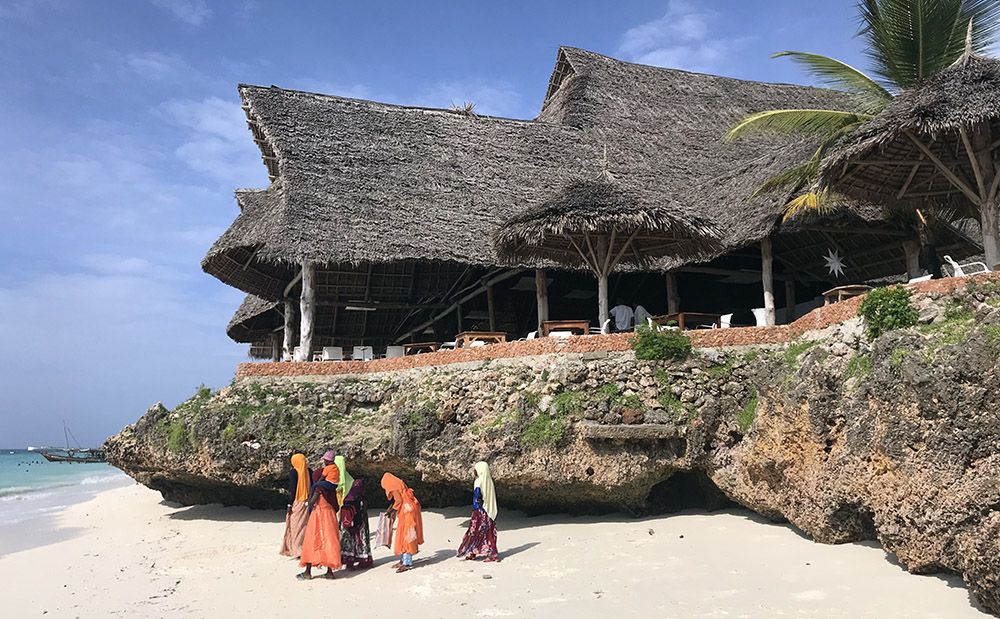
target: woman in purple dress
481 538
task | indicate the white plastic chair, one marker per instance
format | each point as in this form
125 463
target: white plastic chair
725 321
606 327
333 353
560 334
448 345
295 353
394 352
760 315
922 278
962 270
476 343
533 335
362 353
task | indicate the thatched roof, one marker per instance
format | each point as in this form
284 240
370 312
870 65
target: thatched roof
881 162
360 181
582 208
254 320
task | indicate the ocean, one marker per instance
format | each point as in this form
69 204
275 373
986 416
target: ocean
31 487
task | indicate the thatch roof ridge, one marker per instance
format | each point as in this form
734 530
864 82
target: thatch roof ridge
240 328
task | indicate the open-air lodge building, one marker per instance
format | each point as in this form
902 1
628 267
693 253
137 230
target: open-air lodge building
378 226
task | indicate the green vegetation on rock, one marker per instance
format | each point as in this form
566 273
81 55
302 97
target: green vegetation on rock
653 345
544 429
795 350
860 366
887 309
746 415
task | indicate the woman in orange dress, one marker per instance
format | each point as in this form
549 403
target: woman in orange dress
299 480
405 509
321 545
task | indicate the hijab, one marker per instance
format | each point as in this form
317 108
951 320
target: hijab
485 484
357 492
331 473
395 489
346 481
302 482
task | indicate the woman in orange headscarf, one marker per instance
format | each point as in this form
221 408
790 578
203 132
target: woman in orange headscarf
299 483
405 508
321 545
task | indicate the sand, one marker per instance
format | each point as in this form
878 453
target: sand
130 554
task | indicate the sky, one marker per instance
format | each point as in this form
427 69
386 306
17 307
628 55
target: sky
123 140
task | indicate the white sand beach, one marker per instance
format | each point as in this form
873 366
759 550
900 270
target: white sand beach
132 555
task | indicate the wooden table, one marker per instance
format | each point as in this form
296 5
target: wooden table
581 326
419 347
842 293
465 338
686 319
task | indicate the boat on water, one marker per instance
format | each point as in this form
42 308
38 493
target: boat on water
72 454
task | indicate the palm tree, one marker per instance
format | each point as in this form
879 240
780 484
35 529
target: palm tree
907 41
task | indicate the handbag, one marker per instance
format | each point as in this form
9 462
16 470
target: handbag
383 532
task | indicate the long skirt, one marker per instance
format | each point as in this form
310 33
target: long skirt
295 529
355 547
481 538
321 546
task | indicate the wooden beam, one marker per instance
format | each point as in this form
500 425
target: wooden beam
854 230
541 296
911 249
290 331
944 169
973 161
307 308
909 179
673 294
491 307
767 279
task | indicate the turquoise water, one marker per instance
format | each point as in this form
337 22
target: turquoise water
30 485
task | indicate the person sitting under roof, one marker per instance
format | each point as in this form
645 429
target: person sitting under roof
623 316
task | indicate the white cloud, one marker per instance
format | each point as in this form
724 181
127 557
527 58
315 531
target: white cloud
156 64
681 39
191 12
216 142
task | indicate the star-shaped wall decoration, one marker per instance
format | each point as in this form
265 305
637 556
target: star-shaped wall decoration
834 263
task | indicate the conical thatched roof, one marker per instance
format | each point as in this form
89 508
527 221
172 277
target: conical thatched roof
881 161
599 207
254 320
360 181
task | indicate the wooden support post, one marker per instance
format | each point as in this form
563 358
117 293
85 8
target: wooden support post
458 318
673 295
542 296
307 307
491 307
790 298
767 279
911 249
602 299
290 330
275 347
984 162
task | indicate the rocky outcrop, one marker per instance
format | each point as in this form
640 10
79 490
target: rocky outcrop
896 440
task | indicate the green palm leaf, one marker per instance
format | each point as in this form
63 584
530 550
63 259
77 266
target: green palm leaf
909 40
820 122
836 74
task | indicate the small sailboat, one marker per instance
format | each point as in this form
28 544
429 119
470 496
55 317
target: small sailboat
71 454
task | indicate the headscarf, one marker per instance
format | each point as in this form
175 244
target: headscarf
356 493
346 481
400 494
394 488
331 473
302 482
485 484
328 456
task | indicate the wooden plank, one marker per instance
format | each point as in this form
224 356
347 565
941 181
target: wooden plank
767 279
307 309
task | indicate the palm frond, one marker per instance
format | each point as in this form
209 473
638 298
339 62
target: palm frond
818 122
842 76
816 202
909 40
789 181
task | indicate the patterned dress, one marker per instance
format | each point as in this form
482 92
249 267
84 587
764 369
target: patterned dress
355 547
481 538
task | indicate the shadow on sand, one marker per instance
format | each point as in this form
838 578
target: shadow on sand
218 513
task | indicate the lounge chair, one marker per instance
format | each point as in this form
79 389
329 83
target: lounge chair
362 353
394 352
922 278
962 270
449 345
333 353
725 322
476 343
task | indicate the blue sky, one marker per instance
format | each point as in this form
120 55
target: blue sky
123 140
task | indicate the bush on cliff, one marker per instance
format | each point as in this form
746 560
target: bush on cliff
887 309
653 345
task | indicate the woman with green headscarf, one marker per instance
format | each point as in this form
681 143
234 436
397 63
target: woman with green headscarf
481 538
346 481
